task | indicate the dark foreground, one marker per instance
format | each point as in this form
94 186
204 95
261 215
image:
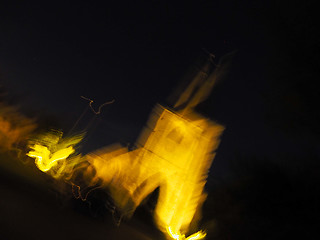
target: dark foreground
31 208
260 201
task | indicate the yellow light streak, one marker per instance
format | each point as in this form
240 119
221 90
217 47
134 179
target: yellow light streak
198 235
52 153
175 155
174 235
179 236
45 160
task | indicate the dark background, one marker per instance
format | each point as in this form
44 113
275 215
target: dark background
264 181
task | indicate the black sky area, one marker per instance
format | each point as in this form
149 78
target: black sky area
137 52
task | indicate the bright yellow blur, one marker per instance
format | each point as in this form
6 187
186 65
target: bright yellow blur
175 154
179 236
52 153
45 160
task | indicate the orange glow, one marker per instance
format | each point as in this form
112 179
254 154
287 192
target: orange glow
14 127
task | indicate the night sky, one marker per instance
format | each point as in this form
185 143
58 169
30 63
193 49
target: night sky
137 52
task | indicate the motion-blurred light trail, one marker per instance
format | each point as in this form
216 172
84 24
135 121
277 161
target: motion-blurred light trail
179 236
174 153
52 153
45 160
